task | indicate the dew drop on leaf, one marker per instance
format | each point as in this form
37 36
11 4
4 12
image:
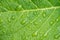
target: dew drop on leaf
35 23
51 23
0 21
44 15
0 14
19 6
56 36
57 20
22 22
34 34
12 17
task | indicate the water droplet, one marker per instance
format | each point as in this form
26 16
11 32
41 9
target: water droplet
47 32
19 6
52 22
56 36
36 14
12 17
1 21
35 23
44 14
4 31
0 14
34 34
23 22
57 20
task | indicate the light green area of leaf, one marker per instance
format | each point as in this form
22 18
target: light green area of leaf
29 19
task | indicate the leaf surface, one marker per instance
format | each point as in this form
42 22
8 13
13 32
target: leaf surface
29 19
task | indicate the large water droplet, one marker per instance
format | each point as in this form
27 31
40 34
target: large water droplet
56 36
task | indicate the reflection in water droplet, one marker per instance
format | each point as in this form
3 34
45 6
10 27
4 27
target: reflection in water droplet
56 36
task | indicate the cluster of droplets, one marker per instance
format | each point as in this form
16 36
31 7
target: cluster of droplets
10 19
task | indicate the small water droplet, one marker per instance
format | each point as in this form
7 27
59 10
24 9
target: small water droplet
57 19
56 36
35 23
47 32
1 21
12 17
0 14
23 22
52 22
34 34
44 14
9 20
19 6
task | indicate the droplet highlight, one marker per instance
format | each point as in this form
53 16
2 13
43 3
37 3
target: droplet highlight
12 18
44 15
19 6
51 23
57 20
0 14
34 34
23 22
56 36
1 21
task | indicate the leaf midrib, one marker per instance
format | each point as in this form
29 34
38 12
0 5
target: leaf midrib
35 9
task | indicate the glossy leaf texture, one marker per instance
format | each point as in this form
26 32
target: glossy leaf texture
29 19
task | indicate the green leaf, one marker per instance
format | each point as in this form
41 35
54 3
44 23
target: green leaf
29 19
